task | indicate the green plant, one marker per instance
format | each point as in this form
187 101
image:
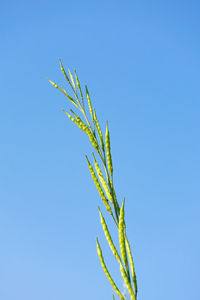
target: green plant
103 183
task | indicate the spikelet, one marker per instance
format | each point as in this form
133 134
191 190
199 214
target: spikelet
98 186
102 180
108 150
132 267
98 130
109 239
99 252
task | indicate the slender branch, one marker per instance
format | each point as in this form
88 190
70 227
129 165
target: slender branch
104 154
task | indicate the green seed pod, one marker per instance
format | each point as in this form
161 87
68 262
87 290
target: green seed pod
72 79
99 252
121 229
132 267
65 74
116 202
78 85
109 239
113 249
127 283
74 120
85 128
89 104
102 180
70 98
108 150
98 186
64 92
92 139
98 129
55 85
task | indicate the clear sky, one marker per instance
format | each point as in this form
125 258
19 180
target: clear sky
140 60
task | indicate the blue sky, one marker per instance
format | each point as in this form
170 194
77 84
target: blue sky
140 60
